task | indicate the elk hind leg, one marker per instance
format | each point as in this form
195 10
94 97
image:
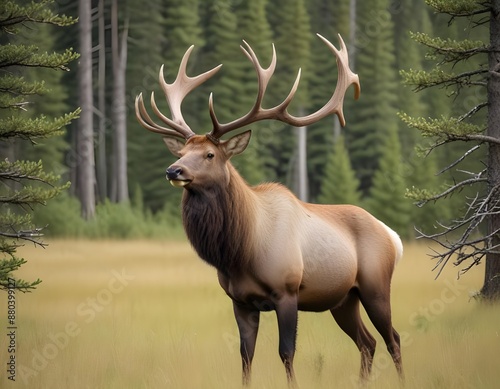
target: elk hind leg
286 312
378 307
349 320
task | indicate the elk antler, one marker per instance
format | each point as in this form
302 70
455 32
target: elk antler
174 93
334 106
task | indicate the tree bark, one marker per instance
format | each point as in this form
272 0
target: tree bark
352 34
85 136
119 53
302 192
491 287
102 172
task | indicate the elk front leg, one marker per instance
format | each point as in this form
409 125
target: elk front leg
248 325
286 311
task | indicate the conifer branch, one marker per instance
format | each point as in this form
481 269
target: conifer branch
460 8
24 183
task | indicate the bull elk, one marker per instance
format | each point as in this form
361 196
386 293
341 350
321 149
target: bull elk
272 251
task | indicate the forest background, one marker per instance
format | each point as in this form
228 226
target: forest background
371 162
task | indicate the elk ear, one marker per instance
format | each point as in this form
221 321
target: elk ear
237 144
174 145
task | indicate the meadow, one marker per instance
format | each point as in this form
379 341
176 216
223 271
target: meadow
150 314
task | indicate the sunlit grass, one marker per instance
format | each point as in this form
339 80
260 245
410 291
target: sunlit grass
146 314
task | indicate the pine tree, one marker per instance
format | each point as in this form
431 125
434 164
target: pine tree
413 17
254 28
163 40
119 38
229 85
387 200
24 183
339 183
52 102
330 19
375 116
292 34
222 46
148 157
85 169
462 67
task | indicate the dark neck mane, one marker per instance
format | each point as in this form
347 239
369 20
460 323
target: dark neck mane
218 223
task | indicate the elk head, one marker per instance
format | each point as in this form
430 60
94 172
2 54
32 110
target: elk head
203 158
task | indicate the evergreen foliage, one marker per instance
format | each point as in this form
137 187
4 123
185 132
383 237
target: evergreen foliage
291 26
375 117
259 162
339 182
386 201
25 183
330 19
148 158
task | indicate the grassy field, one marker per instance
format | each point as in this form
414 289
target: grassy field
151 315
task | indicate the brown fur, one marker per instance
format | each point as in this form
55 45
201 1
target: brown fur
218 224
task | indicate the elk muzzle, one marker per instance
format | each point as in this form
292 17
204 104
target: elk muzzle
175 176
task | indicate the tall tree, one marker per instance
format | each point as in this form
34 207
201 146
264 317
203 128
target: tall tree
491 287
147 158
221 46
102 155
292 35
330 19
86 180
387 200
160 34
24 183
339 183
477 229
230 84
254 28
375 115
119 177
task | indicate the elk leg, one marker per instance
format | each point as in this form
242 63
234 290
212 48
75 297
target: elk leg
349 320
286 311
378 307
248 326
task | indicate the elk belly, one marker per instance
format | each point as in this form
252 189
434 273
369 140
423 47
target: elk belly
178 183
330 269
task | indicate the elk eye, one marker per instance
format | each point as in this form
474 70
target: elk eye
210 155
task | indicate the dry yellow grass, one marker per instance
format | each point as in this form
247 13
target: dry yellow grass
147 314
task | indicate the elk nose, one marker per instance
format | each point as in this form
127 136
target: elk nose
173 172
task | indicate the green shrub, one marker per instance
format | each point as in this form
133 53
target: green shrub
112 221
61 217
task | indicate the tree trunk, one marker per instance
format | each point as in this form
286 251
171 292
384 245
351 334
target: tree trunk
85 137
302 190
102 172
491 287
352 34
119 52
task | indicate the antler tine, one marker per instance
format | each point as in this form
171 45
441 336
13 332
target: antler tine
284 105
175 94
264 75
256 112
145 120
345 78
334 106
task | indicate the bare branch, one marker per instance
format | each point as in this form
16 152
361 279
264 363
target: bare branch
470 246
458 185
458 160
27 235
